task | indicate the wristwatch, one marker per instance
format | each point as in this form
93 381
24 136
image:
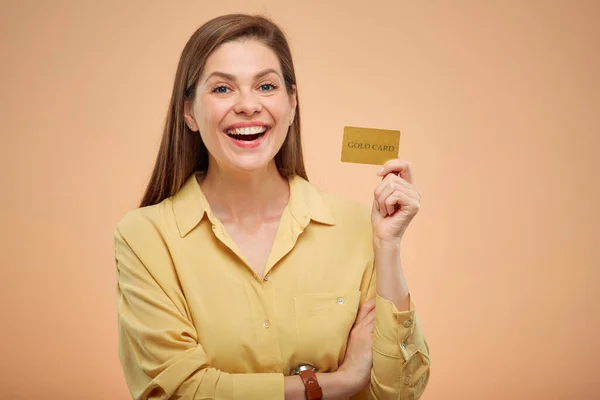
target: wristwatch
309 378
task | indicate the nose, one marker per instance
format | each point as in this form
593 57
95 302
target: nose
247 103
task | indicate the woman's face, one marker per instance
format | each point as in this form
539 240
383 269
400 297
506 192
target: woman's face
242 108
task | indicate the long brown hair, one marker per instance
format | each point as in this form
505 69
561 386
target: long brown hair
182 151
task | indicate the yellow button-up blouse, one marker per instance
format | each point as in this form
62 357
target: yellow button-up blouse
196 322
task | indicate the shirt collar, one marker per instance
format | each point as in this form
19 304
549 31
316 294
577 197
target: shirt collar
306 203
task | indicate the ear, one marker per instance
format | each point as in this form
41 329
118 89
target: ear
188 115
293 102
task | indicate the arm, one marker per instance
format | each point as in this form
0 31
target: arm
400 355
401 361
159 347
333 384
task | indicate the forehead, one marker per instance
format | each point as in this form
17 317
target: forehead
241 58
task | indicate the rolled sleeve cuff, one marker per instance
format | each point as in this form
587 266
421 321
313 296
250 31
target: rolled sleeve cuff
258 386
394 329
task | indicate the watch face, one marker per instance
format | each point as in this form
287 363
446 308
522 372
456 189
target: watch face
303 367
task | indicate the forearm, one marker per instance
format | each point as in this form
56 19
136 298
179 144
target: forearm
333 384
400 354
391 283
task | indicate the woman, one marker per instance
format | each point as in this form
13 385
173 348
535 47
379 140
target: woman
237 278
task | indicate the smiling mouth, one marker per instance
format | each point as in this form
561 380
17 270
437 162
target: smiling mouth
247 134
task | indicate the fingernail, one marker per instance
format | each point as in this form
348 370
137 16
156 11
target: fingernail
380 171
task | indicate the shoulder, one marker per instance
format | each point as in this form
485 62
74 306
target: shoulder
353 228
347 210
144 225
138 220
343 209
349 214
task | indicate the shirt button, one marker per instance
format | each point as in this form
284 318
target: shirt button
403 345
340 301
267 277
407 323
267 324
407 380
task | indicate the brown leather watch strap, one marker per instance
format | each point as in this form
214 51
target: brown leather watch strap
311 384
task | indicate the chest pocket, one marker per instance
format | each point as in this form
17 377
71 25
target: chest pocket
323 323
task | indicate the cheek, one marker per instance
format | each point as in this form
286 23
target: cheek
212 112
280 110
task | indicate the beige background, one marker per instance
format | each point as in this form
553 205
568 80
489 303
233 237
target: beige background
498 103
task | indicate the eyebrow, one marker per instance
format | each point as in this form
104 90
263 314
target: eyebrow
232 77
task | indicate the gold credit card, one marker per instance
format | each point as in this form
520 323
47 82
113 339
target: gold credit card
369 146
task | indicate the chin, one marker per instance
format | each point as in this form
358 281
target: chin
250 165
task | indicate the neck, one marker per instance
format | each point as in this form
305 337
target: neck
245 198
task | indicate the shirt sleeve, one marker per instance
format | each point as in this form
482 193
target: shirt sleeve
159 348
401 361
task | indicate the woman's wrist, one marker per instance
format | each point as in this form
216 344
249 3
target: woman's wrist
380 244
335 385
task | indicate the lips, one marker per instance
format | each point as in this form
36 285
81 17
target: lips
247 131
247 134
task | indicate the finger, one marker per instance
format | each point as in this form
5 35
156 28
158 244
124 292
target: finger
368 307
400 167
368 324
361 314
389 184
382 191
377 207
397 184
364 309
384 183
369 304
395 180
369 319
402 200
377 195
397 198
388 191
366 320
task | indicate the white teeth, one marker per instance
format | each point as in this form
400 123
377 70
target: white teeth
251 130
